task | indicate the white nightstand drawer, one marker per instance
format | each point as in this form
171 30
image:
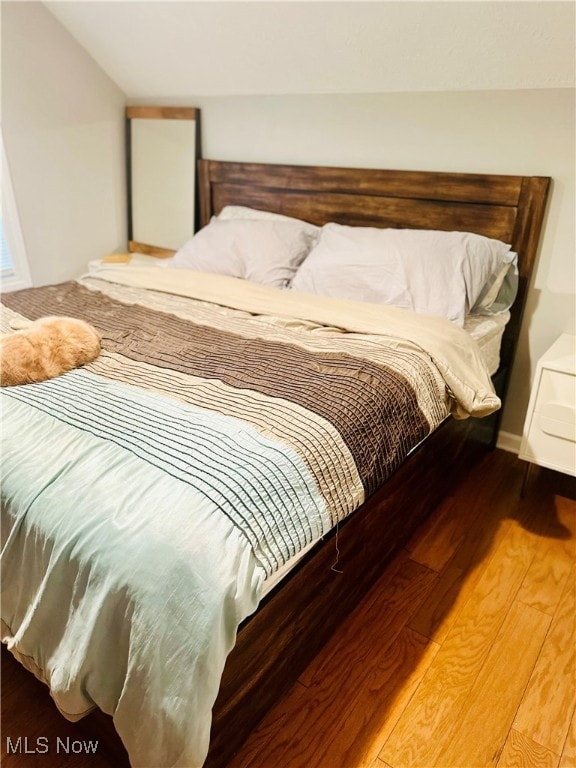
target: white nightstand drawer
550 428
558 421
556 387
550 450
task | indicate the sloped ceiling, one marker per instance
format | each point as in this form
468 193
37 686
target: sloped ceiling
181 49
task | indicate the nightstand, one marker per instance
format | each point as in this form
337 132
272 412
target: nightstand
126 260
549 437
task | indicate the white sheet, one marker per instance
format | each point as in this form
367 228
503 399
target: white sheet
487 331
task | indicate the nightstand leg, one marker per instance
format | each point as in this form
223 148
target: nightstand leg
525 479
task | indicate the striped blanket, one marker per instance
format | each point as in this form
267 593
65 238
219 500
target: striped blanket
147 496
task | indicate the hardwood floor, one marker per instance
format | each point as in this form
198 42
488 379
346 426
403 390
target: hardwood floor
461 656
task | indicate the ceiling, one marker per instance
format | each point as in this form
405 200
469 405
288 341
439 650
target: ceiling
185 49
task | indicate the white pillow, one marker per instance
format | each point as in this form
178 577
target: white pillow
427 271
498 294
264 251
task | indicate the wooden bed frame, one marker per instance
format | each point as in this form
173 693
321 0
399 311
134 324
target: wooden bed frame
297 618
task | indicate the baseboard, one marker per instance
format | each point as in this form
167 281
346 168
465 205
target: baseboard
509 442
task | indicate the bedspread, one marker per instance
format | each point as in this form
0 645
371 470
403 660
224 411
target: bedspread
147 496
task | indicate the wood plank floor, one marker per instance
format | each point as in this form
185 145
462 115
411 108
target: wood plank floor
461 656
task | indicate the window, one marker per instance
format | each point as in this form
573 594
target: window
5 257
14 271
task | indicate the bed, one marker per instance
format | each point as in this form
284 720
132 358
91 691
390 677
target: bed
339 514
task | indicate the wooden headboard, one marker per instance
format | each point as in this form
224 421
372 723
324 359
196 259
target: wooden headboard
508 208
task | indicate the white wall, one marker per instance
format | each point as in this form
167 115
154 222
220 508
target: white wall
527 132
63 126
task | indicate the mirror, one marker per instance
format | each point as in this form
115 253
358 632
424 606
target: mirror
162 150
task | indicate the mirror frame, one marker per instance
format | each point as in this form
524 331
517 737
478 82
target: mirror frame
157 113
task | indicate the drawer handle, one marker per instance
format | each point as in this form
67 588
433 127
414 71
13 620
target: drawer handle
557 428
